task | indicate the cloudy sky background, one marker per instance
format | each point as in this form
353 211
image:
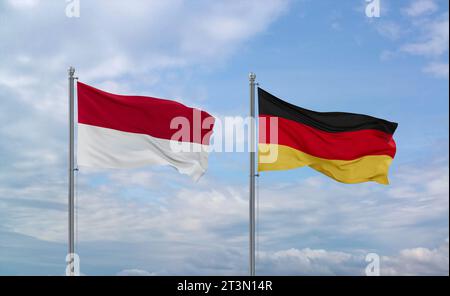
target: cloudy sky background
322 55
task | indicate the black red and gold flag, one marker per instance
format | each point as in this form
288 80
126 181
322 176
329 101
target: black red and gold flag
348 147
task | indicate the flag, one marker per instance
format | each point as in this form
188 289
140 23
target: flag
350 148
117 131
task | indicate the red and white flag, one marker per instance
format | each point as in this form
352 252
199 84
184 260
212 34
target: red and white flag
116 131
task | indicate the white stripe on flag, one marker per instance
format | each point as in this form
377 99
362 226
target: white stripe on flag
107 148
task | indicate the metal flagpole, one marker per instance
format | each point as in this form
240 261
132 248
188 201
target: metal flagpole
252 78
71 171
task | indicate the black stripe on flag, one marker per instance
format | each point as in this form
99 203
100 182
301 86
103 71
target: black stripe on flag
326 121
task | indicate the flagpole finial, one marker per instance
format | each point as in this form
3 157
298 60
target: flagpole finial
71 71
252 76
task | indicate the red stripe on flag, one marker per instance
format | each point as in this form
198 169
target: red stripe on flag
138 114
337 146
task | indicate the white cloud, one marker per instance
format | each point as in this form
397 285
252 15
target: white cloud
421 7
211 218
415 261
23 4
418 261
142 178
161 37
429 37
387 55
308 262
434 41
389 30
437 69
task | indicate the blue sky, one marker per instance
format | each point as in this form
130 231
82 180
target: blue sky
321 55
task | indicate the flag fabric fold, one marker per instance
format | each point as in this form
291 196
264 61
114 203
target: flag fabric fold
348 147
117 131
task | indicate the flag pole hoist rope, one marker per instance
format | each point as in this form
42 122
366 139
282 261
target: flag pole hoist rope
252 77
72 169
